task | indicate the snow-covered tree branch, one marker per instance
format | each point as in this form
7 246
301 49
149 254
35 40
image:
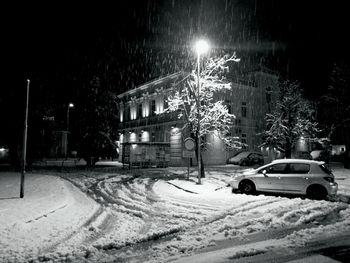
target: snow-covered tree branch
214 114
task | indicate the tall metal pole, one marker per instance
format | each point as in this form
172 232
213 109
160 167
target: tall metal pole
24 152
68 117
66 148
198 119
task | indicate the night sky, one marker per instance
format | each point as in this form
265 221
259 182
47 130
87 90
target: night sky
51 44
149 38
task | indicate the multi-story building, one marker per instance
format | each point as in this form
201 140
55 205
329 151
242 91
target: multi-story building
144 124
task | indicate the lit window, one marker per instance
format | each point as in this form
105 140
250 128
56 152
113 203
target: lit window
145 109
133 112
121 115
159 105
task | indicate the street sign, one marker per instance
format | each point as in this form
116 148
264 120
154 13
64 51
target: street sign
189 144
188 154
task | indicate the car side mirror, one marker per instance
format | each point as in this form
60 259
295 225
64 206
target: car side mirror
264 172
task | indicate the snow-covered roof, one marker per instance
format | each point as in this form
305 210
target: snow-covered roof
151 83
297 161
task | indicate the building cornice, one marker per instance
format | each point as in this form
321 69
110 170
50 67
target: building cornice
149 84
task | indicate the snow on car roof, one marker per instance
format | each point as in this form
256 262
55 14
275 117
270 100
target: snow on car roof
297 161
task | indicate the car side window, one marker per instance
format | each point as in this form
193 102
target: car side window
299 168
277 168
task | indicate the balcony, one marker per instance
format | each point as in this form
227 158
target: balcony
149 121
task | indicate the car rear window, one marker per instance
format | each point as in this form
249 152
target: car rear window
325 169
299 168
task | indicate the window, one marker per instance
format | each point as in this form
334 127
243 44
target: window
140 111
127 113
121 116
244 109
229 106
140 137
268 94
244 138
153 107
299 168
277 168
133 112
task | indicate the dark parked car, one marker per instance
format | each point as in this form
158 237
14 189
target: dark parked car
321 155
246 158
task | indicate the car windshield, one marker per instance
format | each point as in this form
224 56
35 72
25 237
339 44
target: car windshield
325 169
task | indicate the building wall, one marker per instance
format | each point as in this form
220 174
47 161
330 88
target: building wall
176 146
216 152
249 103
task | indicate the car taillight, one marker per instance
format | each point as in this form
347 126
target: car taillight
329 179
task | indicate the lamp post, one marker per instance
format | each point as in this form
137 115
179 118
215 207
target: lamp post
70 105
24 151
201 47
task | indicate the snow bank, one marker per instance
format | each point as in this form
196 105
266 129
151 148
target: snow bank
51 210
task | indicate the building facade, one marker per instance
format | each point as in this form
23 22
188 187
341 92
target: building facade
144 122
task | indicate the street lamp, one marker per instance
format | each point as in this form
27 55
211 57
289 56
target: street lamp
70 105
201 47
24 150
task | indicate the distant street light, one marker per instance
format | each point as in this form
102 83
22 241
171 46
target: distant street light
201 47
70 105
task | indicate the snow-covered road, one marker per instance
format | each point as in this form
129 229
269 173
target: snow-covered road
159 216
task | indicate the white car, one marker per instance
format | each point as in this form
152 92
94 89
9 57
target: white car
288 176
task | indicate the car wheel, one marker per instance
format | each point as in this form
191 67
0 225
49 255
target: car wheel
247 187
316 192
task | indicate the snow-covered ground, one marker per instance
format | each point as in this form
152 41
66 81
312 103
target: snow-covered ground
50 212
157 215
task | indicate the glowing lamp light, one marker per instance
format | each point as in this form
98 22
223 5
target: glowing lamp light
201 46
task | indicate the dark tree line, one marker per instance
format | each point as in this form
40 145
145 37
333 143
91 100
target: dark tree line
334 109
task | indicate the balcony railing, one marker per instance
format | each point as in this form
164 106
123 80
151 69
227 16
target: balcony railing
149 121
